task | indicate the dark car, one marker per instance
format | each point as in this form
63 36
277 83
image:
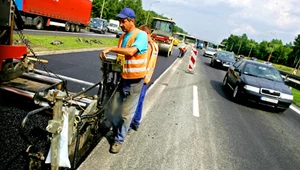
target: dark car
222 59
258 82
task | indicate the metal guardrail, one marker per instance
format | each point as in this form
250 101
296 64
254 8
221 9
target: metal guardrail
293 81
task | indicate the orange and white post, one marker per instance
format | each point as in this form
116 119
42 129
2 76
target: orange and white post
192 62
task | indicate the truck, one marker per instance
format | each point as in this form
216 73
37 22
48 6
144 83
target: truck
98 25
113 26
68 14
162 34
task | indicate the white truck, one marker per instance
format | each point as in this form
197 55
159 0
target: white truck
113 26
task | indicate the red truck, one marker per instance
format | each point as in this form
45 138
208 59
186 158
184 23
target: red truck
70 14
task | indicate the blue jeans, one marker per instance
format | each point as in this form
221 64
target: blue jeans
136 121
182 54
122 107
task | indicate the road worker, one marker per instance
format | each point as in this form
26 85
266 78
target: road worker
182 51
152 57
132 47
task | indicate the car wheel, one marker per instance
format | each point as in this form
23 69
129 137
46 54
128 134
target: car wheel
235 93
224 84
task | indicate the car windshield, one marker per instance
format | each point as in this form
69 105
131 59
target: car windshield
98 21
224 54
113 25
262 71
190 40
210 49
163 25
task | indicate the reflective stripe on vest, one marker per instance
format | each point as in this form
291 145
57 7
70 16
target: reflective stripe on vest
134 66
152 62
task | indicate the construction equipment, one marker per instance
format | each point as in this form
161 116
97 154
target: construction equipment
162 34
74 125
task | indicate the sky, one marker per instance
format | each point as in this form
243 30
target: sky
215 20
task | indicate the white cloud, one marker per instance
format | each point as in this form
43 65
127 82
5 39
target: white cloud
244 29
256 18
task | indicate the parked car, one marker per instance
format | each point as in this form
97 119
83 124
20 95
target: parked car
119 33
98 25
258 82
209 52
222 59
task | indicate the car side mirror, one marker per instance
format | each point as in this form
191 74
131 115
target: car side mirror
237 70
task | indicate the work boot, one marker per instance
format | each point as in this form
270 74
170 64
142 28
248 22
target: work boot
135 128
115 147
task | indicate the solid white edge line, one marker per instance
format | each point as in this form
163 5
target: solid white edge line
195 102
295 109
159 77
66 78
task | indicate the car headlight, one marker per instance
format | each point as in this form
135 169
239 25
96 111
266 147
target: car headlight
218 60
286 96
251 88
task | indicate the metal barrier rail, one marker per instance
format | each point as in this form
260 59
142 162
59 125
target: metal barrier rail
293 81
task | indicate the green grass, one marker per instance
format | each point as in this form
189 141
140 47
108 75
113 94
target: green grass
43 43
296 94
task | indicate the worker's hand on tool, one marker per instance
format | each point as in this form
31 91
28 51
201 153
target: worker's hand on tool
104 52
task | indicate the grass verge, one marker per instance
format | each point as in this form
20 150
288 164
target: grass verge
296 94
43 42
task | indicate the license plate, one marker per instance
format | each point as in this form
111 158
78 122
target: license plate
226 65
269 100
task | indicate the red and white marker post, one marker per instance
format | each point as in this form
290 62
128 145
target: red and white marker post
192 62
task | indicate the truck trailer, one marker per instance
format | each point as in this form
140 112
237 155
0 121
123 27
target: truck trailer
69 14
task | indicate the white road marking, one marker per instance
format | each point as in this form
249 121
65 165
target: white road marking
195 102
295 109
65 78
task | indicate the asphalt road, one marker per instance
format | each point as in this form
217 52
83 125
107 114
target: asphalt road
221 135
84 66
226 135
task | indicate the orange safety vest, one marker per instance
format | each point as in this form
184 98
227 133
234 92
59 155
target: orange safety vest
134 66
183 49
151 61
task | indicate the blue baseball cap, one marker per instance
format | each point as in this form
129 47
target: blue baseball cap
125 13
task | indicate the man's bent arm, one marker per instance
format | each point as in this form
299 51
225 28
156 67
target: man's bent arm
126 51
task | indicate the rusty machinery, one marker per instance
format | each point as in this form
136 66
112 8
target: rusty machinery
79 114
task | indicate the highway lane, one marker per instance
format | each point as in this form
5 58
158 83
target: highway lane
86 66
226 135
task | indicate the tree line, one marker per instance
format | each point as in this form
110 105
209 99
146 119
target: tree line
113 7
275 50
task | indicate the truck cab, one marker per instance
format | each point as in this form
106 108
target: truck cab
162 34
98 25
